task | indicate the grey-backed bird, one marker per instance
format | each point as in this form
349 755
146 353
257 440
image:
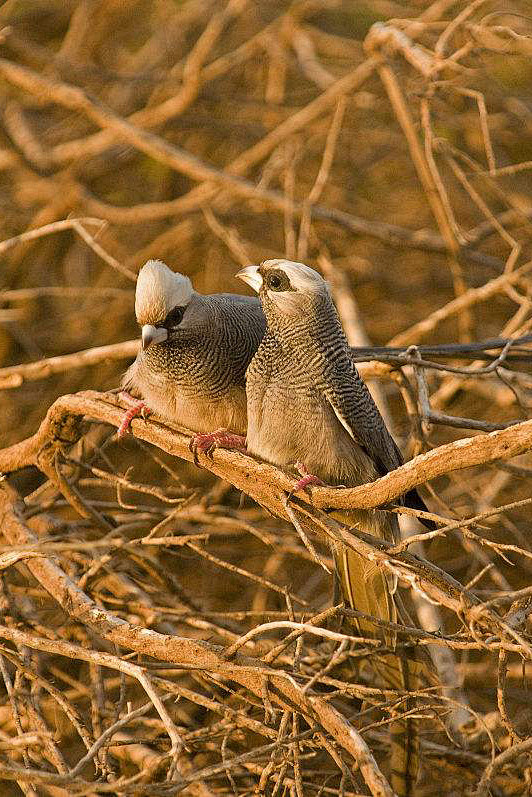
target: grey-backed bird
307 404
195 351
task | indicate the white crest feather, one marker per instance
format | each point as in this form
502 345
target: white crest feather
159 290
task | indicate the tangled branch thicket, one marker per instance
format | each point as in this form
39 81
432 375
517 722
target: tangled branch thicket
161 632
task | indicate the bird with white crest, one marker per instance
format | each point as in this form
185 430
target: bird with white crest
195 350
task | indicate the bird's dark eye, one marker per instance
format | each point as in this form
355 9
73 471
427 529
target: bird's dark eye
174 317
278 281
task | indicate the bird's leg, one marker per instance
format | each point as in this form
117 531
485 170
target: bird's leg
138 407
306 478
221 438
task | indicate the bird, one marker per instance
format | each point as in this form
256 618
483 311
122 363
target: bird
308 406
195 350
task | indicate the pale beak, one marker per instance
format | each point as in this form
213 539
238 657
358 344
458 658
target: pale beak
151 335
251 276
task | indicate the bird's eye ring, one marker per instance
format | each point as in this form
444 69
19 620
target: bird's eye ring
275 282
174 318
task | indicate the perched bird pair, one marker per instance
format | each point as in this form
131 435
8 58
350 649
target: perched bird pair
210 361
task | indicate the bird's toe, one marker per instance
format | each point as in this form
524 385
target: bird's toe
137 407
307 479
221 438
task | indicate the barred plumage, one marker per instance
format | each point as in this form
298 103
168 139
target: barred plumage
195 376
307 403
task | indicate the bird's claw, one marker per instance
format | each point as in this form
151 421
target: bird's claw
221 438
306 479
137 408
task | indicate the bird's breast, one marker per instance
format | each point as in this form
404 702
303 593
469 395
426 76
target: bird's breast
290 423
191 403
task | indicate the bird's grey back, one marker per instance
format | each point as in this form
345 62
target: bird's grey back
236 326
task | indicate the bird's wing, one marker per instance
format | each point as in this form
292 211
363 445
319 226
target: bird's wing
354 407
357 412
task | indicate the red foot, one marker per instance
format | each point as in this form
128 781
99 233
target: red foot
137 408
221 438
307 478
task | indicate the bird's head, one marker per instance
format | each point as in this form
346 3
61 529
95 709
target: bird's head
161 299
285 286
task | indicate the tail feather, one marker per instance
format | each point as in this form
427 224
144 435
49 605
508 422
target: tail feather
367 588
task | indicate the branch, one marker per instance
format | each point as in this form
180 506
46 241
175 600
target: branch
15 375
75 99
261 481
459 304
184 652
268 486
372 361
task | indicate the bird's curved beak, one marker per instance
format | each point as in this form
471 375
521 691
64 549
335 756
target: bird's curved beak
151 335
251 276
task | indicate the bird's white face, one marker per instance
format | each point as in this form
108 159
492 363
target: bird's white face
283 282
161 297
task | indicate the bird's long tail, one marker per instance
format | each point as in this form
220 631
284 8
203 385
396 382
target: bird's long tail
368 589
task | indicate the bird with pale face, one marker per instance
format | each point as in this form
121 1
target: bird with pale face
308 406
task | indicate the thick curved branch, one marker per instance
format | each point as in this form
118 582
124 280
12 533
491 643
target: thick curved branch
268 486
63 426
261 481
